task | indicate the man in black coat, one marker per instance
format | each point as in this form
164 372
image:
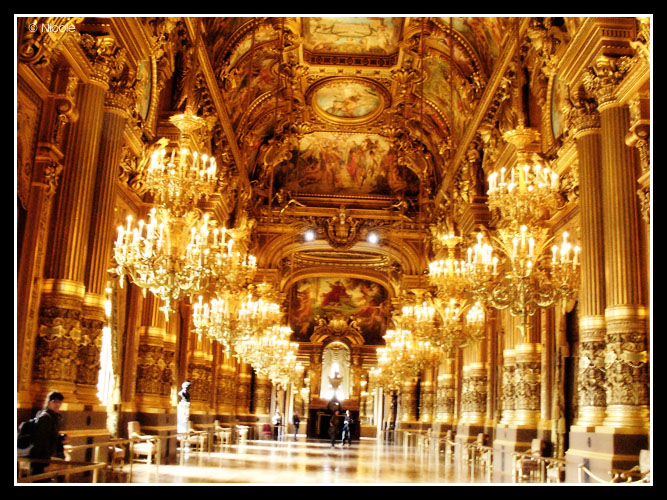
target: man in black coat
47 440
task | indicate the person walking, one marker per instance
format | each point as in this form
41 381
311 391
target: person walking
333 428
295 421
347 422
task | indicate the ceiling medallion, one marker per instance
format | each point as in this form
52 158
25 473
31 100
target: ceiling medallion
348 100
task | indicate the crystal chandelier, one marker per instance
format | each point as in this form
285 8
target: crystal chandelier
258 311
170 255
447 275
523 279
403 358
271 353
529 192
234 314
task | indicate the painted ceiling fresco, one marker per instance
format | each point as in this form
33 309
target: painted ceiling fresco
364 300
350 164
352 35
342 98
259 56
365 109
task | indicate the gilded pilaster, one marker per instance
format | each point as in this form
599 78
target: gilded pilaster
38 179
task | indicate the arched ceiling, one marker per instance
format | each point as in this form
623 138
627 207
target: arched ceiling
347 125
388 98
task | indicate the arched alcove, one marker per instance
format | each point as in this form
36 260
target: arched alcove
335 359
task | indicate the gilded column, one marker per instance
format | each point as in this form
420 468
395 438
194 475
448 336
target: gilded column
507 399
492 346
154 362
592 327
64 300
199 374
60 331
225 384
262 396
446 393
625 314
473 394
243 390
427 397
409 401
118 101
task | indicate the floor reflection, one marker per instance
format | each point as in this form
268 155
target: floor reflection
311 462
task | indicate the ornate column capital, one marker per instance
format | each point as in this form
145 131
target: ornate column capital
107 59
602 78
583 115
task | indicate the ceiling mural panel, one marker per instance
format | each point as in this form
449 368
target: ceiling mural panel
350 164
352 35
345 99
367 302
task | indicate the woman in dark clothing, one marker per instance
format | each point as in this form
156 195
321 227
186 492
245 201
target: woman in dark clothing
47 440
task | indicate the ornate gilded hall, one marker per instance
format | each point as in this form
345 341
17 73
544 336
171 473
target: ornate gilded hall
439 227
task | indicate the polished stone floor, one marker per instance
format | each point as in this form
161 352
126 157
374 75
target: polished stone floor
301 462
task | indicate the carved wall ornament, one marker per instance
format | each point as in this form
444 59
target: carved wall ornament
37 45
581 111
